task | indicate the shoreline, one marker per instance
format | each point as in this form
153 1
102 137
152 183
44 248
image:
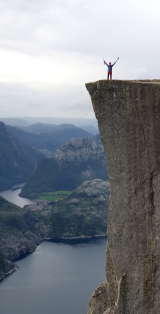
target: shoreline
74 240
37 232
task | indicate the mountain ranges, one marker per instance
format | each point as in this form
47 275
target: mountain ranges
44 127
78 166
16 159
76 161
19 150
49 140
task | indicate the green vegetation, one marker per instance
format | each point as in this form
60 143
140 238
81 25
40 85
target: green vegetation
19 231
7 209
16 160
72 225
62 193
81 213
80 160
55 196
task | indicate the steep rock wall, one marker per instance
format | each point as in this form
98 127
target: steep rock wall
128 114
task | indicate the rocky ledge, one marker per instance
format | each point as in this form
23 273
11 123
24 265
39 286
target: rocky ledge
128 114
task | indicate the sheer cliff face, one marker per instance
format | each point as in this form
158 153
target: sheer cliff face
128 114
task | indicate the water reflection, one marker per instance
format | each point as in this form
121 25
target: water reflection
57 278
13 197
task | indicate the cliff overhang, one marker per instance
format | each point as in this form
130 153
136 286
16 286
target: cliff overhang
128 114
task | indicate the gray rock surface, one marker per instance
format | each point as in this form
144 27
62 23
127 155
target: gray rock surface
128 114
79 150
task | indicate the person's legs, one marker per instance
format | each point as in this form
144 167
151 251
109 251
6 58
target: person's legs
109 75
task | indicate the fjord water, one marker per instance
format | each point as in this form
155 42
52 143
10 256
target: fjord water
57 278
13 197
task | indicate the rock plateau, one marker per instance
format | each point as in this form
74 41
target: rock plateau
128 114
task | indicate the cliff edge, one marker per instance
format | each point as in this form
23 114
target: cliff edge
128 114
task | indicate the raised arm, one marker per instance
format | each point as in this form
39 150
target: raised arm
114 63
105 62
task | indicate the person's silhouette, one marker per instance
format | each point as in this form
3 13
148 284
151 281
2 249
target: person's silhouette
110 66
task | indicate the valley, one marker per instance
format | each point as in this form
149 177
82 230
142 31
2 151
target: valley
73 163
82 214
70 190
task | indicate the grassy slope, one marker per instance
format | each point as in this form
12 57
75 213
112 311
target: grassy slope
48 177
55 196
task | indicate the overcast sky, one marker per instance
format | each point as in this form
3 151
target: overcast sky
49 49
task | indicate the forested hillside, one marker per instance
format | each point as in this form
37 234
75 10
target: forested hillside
16 159
74 162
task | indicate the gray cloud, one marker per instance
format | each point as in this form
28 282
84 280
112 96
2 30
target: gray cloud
74 36
18 100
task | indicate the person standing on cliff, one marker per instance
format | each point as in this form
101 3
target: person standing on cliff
110 66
